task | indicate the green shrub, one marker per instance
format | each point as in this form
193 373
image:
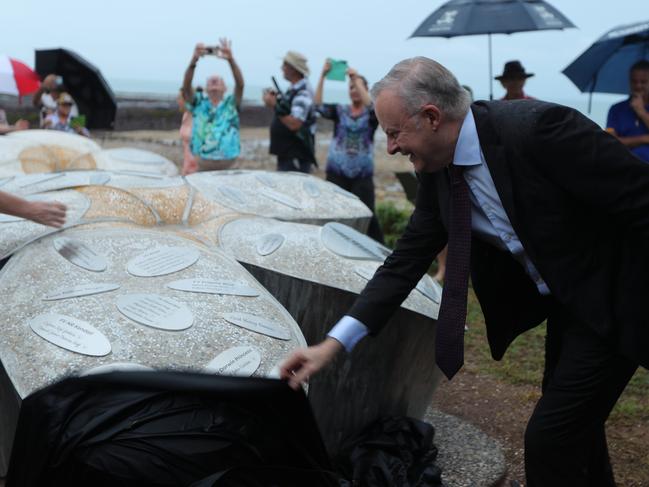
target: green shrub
393 221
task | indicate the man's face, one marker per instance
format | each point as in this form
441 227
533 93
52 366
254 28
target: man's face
413 135
513 84
639 82
215 86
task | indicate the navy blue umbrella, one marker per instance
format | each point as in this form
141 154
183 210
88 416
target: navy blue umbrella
604 66
473 17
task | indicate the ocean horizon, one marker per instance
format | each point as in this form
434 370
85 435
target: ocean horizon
252 95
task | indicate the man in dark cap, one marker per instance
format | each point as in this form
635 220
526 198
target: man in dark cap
513 80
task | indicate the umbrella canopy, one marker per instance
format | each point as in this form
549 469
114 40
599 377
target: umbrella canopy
604 66
474 17
17 78
84 82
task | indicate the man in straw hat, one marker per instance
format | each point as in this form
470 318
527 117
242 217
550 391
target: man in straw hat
292 131
513 80
549 215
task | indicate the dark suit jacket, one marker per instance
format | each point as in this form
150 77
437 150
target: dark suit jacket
579 202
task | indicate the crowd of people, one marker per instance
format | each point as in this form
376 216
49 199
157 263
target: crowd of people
57 110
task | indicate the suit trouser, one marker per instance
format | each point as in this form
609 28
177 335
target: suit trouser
565 442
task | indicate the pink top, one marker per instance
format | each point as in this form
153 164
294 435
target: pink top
189 161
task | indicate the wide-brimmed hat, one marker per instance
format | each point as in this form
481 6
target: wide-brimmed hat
65 98
513 69
297 61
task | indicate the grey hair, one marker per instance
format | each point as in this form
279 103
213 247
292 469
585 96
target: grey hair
419 81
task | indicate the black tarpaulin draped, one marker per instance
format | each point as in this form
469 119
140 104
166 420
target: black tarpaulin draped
392 451
167 428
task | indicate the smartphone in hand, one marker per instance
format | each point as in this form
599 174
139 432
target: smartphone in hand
212 50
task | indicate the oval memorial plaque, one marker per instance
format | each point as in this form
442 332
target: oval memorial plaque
266 180
161 261
269 243
281 198
350 243
311 189
30 179
79 254
81 290
239 361
258 324
233 194
116 367
430 288
339 190
136 156
156 311
139 174
365 273
213 286
71 333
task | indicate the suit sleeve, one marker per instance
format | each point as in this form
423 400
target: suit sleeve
423 238
593 167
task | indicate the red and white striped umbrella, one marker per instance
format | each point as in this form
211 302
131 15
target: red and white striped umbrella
17 78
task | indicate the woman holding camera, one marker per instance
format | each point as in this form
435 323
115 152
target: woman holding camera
350 160
215 133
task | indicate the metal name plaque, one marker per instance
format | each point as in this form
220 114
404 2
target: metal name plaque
213 286
281 198
116 367
258 325
239 361
4 218
139 174
339 190
269 243
265 179
71 334
161 261
364 272
156 311
233 194
311 189
30 179
430 288
350 243
81 290
136 156
79 254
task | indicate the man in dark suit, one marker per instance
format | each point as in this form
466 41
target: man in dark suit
552 214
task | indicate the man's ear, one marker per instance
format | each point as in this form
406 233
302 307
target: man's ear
432 116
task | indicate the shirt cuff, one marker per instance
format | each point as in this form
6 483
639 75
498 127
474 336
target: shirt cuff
348 331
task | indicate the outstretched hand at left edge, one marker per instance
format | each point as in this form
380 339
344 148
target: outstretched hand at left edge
305 362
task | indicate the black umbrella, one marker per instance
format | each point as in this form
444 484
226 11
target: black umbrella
473 17
84 82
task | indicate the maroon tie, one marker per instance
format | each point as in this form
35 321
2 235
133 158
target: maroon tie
449 341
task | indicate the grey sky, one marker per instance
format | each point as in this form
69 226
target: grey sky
153 40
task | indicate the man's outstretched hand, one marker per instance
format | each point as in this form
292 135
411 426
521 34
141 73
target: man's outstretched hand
305 362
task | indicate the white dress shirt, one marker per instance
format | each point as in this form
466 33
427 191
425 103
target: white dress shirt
489 222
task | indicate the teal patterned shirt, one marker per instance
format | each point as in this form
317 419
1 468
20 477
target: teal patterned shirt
215 133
